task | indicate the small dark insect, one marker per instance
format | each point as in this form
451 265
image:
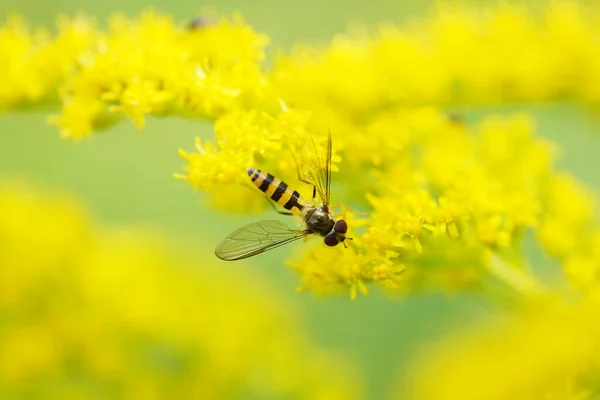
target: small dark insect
262 236
457 118
199 23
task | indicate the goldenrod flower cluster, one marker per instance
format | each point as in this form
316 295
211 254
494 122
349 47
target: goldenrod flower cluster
514 51
151 65
430 200
89 314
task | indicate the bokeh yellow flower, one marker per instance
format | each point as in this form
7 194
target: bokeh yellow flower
541 352
96 313
513 51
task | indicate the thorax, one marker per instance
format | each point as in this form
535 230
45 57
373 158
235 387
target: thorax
318 220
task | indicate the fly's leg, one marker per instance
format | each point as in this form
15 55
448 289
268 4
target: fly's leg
314 194
283 212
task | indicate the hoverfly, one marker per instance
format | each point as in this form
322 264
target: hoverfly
258 237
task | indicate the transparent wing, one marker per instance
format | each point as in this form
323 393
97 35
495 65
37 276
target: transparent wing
256 238
314 164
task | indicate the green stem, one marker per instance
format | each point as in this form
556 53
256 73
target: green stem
518 279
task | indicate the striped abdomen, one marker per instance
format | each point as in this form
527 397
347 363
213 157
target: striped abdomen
276 190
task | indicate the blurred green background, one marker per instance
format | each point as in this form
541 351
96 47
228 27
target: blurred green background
125 178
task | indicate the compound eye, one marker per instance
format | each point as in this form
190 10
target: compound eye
331 240
340 226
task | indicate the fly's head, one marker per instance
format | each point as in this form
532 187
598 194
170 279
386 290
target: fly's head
337 234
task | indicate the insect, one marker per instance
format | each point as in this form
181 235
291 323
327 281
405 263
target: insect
199 23
258 237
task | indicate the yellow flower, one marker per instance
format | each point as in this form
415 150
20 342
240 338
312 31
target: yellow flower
80 116
150 65
447 191
33 64
570 232
121 313
434 188
209 166
455 55
542 352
